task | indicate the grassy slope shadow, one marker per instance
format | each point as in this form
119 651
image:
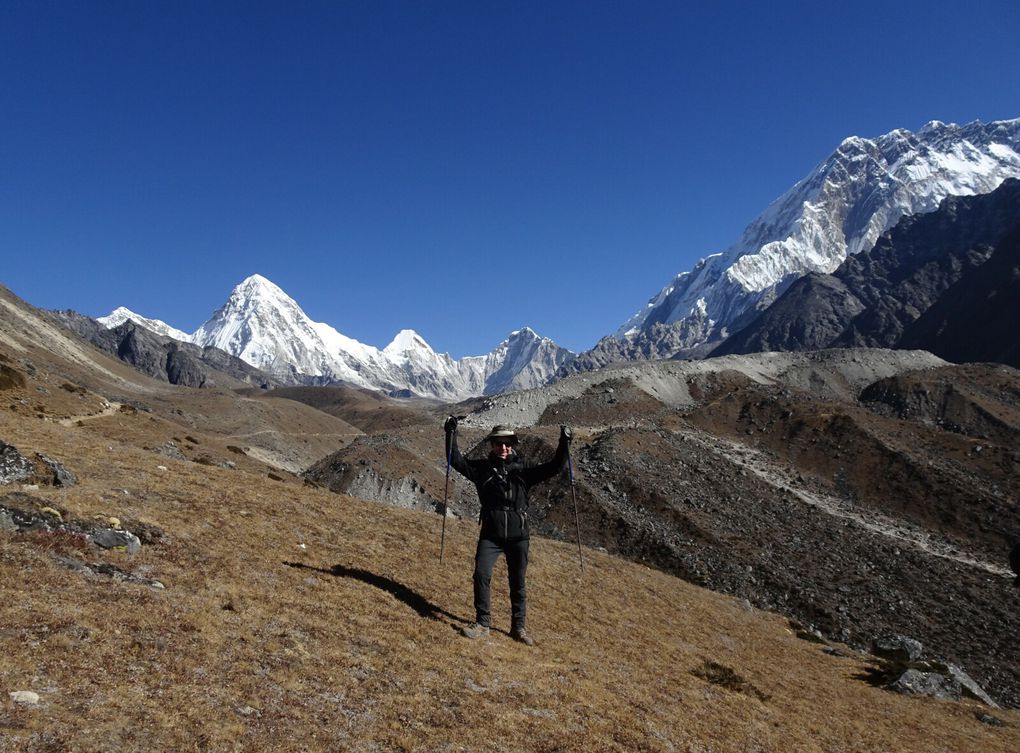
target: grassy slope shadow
398 590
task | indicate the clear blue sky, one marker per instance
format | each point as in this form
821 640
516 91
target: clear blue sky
459 168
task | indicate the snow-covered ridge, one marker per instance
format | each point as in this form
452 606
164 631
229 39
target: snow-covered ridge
263 326
861 190
120 315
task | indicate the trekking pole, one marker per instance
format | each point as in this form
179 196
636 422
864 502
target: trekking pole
446 492
450 439
573 494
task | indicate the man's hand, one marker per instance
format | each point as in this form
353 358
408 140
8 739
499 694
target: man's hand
566 434
451 425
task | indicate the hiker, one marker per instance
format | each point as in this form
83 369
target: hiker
503 480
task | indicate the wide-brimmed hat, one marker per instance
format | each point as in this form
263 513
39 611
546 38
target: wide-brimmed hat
502 432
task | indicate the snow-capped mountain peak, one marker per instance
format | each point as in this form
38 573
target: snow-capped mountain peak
265 327
120 315
405 341
861 190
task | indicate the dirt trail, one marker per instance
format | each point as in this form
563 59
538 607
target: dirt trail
109 410
276 432
757 463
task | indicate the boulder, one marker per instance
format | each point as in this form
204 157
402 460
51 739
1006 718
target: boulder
969 686
60 475
934 684
13 465
897 648
111 539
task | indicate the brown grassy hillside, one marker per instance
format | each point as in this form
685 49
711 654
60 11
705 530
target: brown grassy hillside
262 614
295 619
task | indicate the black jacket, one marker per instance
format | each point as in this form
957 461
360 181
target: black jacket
503 488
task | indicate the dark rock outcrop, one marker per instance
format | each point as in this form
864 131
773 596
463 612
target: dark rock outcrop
23 513
813 313
976 319
928 263
163 357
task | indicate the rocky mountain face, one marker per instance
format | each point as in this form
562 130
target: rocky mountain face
840 209
975 319
659 341
144 346
932 262
266 328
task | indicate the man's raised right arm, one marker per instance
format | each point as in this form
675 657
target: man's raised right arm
453 454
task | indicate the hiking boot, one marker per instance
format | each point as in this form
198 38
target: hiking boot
520 635
475 631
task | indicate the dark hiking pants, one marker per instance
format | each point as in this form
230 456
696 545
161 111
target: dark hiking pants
516 564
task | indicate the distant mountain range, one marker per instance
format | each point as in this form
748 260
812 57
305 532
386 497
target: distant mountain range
834 216
264 327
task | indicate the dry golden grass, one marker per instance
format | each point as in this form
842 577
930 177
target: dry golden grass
351 642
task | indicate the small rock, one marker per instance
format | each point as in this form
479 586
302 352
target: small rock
74 564
991 721
811 635
24 697
170 450
114 522
52 513
837 652
109 539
